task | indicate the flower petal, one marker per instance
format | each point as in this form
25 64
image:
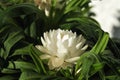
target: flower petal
55 62
71 60
84 48
45 56
42 49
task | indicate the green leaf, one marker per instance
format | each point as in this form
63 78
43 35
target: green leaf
88 65
9 71
67 73
30 75
87 21
101 43
12 39
33 30
21 65
87 26
4 31
96 67
22 51
38 62
87 62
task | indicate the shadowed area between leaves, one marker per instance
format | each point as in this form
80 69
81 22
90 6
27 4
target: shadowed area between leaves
116 28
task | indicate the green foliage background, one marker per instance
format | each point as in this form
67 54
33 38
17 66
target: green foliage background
21 26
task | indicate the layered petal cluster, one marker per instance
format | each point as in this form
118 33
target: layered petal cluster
62 48
44 5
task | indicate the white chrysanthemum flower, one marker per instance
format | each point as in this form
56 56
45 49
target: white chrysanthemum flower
44 5
62 47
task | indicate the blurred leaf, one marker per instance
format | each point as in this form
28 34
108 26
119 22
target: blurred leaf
23 9
74 4
8 77
1 16
112 62
113 47
113 77
9 71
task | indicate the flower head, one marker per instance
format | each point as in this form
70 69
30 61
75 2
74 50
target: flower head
43 5
62 47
